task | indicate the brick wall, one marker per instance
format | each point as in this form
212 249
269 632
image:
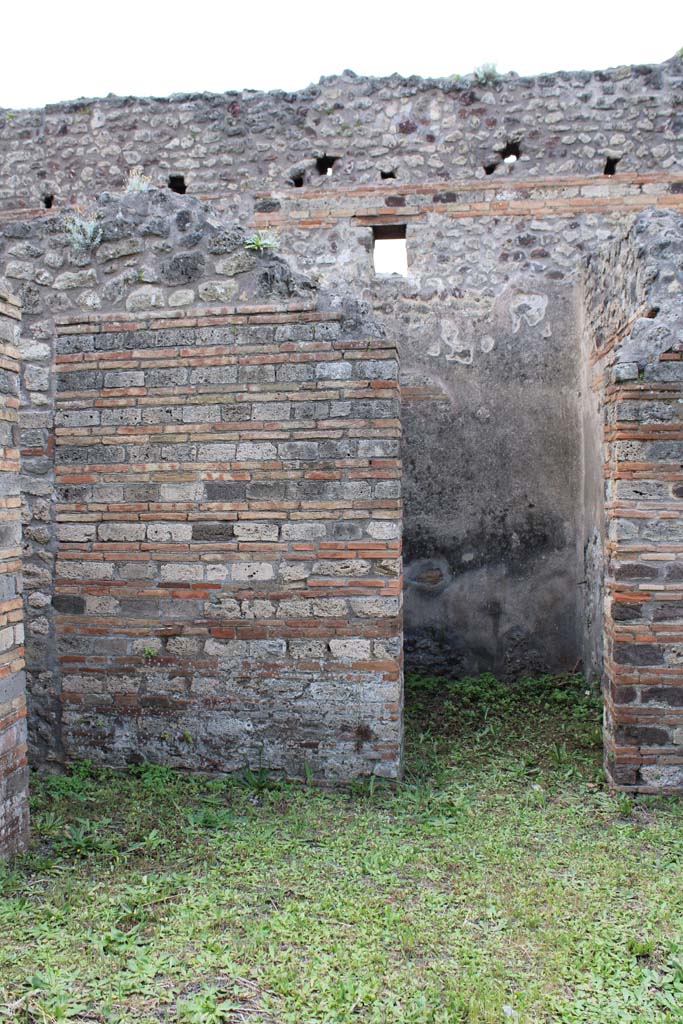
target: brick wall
13 769
560 196
155 250
228 584
639 378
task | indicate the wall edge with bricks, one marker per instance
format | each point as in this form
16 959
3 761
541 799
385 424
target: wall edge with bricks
13 762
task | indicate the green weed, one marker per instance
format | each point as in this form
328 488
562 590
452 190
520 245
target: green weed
261 242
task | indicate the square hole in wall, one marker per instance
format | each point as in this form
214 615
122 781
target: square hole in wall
325 163
389 249
176 183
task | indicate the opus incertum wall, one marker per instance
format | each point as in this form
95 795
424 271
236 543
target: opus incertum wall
228 582
13 766
365 131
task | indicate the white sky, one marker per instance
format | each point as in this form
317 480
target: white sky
63 51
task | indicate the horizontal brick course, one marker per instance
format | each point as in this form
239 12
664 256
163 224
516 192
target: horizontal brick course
312 209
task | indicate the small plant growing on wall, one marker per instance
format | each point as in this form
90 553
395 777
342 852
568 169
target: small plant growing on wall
83 232
486 74
137 181
261 242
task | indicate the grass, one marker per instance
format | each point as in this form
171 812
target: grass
500 882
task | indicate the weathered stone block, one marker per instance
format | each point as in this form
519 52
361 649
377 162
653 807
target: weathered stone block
145 298
256 531
252 571
351 649
169 533
121 531
217 291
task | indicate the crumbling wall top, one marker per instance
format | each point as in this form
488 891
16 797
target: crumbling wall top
348 130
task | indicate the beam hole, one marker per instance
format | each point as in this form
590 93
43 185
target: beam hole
511 152
176 183
324 164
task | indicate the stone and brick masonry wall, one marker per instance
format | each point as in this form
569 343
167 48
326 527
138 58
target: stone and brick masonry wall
153 250
228 583
13 768
490 305
489 348
375 131
561 196
635 323
489 334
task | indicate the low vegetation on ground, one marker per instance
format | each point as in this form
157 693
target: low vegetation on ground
499 882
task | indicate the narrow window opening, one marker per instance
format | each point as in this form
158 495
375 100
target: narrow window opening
176 183
325 163
490 168
611 165
297 180
389 249
511 152
48 200
387 174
